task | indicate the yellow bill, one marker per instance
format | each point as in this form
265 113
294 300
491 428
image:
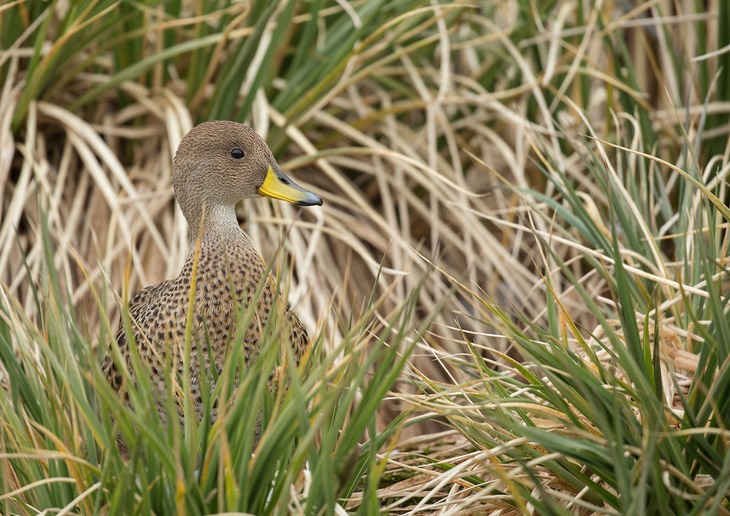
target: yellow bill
279 186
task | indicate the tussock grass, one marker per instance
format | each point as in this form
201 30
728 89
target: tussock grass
62 422
543 183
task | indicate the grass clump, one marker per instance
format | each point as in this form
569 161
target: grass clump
62 421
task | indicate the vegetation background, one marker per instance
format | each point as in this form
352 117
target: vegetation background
517 282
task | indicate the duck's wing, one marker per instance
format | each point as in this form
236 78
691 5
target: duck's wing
144 308
298 336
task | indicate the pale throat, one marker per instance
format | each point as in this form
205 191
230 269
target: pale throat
219 222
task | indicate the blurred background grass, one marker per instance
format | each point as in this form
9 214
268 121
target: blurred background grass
532 194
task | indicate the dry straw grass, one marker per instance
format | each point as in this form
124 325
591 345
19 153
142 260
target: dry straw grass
423 171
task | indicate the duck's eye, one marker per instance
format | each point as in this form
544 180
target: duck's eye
237 153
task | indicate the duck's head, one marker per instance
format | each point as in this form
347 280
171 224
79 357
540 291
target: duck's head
219 163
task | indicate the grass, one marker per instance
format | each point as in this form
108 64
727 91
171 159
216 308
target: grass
62 421
517 282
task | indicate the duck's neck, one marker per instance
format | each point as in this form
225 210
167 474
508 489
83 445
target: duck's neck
219 223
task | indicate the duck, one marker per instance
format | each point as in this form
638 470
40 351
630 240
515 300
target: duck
216 165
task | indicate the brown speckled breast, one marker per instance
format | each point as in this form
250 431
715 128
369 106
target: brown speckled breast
228 277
